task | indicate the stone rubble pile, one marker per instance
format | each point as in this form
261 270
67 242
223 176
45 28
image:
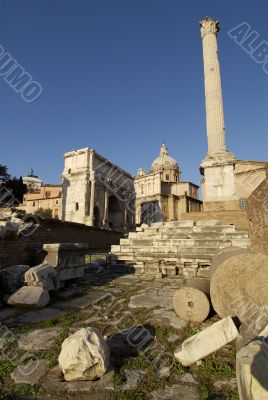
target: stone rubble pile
64 261
12 224
239 294
178 247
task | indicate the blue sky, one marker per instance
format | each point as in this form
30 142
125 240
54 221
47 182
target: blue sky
120 75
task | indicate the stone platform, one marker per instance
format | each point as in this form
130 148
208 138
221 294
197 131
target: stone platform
177 248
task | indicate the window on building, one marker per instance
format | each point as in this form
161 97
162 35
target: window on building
76 206
33 203
142 189
167 177
57 201
69 170
48 194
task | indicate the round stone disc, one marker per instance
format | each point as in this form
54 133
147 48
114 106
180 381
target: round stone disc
191 304
240 284
223 255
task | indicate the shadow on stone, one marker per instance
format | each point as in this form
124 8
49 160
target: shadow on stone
130 343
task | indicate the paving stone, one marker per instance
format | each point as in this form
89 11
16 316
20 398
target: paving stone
106 382
69 292
80 302
37 316
143 301
115 290
175 392
78 388
173 338
166 318
225 384
30 373
7 313
40 339
134 377
164 372
150 298
104 387
188 379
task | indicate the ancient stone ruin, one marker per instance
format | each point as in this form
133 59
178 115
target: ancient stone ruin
178 309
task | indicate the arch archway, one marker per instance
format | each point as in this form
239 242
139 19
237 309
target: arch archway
96 216
115 214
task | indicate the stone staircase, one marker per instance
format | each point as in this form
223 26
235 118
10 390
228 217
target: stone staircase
176 248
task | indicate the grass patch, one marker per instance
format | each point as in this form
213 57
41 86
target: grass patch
51 355
7 396
28 390
50 323
7 367
212 367
138 362
176 367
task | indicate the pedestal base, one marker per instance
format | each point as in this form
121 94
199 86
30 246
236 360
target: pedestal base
215 159
219 182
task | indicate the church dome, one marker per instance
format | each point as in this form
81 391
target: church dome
164 161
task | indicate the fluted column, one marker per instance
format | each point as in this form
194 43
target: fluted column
213 91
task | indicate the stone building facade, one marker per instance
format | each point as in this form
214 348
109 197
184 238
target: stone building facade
160 195
96 192
227 182
47 197
32 181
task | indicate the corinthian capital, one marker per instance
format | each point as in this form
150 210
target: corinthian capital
208 25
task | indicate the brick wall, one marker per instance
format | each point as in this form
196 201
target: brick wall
231 205
237 218
257 211
27 250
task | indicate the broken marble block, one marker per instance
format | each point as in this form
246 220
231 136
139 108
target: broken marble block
67 258
84 355
252 368
8 230
29 296
44 276
206 342
12 278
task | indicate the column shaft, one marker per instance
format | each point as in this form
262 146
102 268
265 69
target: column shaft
213 90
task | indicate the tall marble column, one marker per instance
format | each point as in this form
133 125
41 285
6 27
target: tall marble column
213 91
219 164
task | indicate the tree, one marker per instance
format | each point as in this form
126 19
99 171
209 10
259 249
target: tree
4 175
43 212
15 185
